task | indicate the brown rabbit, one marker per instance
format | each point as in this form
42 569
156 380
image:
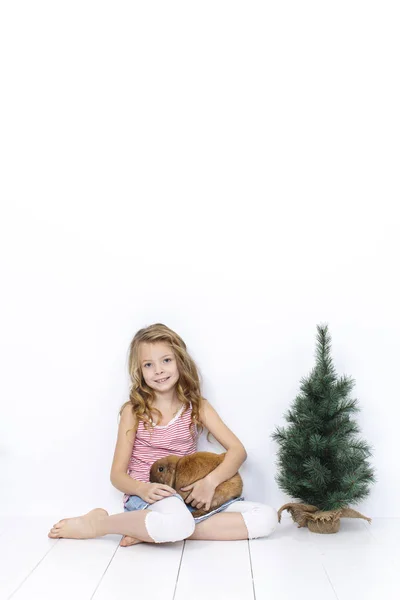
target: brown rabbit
180 471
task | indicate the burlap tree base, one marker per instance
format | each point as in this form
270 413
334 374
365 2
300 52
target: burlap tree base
319 521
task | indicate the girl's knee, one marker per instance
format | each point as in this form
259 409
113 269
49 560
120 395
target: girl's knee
163 527
261 520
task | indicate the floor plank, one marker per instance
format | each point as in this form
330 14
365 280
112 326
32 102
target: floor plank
23 544
143 571
362 561
215 570
72 569
287 565
35 566
366 572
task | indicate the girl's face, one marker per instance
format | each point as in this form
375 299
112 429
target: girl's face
158 362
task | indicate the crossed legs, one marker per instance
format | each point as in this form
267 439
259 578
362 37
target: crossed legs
169 520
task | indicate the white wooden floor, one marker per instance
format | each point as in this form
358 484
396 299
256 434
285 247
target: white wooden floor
360 561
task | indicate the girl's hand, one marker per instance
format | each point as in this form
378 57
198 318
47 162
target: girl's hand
151 492
202 493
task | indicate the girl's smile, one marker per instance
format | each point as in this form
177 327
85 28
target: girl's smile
162 380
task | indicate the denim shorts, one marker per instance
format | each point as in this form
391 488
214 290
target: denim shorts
136 503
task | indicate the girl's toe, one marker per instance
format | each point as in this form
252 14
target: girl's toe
59 523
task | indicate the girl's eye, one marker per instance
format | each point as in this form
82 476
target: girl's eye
150 363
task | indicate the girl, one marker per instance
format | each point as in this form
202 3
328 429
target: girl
164 415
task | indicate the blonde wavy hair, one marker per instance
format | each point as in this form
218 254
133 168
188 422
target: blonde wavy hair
142 397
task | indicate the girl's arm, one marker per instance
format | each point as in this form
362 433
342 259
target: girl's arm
124 443
122 453
235 451
125 483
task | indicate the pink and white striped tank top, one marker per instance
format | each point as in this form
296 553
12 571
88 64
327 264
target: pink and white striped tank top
149 446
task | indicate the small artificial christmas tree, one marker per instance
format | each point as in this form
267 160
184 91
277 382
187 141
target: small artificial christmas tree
322 463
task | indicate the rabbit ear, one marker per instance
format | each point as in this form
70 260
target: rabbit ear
173 461
177 465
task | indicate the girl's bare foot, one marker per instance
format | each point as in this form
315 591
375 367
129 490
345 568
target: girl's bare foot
127 540
79 528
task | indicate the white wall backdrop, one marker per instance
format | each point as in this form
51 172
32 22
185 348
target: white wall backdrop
229 169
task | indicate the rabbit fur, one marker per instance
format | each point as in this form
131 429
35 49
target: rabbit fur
180 471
